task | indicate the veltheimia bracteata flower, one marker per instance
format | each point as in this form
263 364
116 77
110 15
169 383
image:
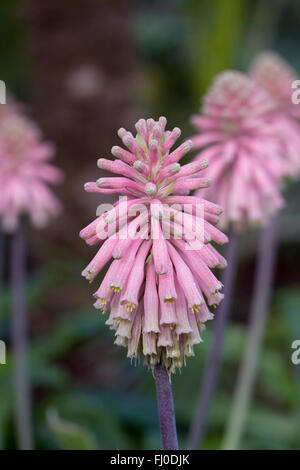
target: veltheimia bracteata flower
25 171
275 75
237 136
159 286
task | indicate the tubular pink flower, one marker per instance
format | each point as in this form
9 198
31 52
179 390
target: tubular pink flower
151 307
130 297
156 288
275 75
240 140
25 171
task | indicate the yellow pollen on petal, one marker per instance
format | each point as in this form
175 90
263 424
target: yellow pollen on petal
130 306
169 300
195 308
116 289
172 326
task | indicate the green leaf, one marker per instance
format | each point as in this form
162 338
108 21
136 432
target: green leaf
69 435
287 303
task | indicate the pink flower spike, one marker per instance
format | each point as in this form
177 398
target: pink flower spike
25 171
238 135
274 74
152 288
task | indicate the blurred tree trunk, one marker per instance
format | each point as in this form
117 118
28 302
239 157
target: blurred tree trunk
82 90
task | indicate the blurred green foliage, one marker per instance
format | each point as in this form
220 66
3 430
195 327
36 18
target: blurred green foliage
14 68
70 414
86 393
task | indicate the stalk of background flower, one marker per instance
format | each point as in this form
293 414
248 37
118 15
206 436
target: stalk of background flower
210 375
2 254
159 286
240 138
165 409
19 339
24 176
273 74
258 318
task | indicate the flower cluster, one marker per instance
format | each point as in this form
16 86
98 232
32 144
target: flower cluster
159 285
24 171
237 136
273 74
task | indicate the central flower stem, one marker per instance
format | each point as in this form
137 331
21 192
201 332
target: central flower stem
165 408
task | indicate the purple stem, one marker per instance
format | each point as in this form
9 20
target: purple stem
255 331
165 409
2 254
212 366
19 340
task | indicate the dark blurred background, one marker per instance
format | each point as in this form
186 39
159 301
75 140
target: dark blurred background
83 69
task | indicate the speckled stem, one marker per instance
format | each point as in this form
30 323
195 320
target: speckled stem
165 409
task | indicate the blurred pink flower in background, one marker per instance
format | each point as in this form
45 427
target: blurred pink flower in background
274 74
237 137
157 289
25 171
